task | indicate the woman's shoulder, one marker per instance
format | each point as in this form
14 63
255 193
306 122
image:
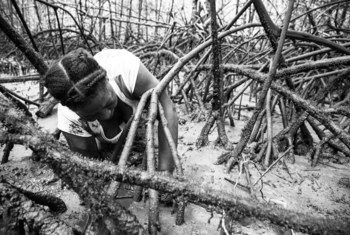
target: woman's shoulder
108 53
117 60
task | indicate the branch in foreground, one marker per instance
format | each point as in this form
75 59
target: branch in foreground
15 207
90 189
79 172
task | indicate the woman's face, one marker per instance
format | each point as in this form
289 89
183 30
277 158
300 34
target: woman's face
101 106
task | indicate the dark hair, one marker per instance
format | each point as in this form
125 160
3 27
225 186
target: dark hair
74 77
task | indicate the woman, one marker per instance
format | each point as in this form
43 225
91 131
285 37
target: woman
98 96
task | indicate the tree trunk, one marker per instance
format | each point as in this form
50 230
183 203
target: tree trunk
217 77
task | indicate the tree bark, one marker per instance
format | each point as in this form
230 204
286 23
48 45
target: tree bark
217 88
15 209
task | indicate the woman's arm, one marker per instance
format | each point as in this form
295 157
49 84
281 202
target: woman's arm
145 81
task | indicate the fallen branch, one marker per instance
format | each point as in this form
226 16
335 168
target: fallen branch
4 89
24 78
18 212
46 108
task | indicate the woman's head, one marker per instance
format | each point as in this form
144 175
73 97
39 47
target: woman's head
79 83
75 78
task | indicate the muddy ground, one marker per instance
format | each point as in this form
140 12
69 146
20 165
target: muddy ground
321 190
